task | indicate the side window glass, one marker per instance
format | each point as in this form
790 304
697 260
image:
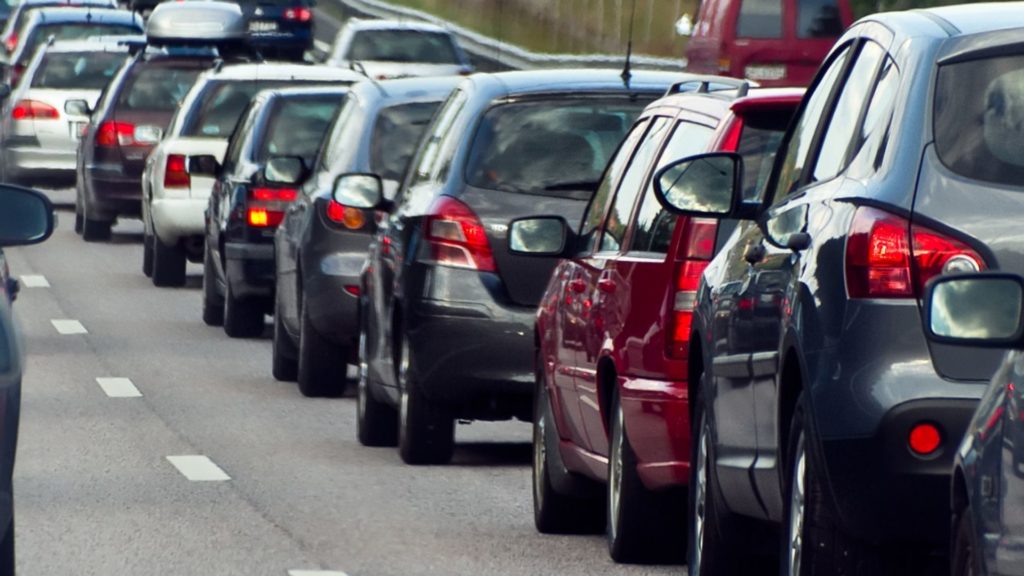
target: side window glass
234 152
335 146
760 19
425 166
599 204
654 224
631 186
839 136
818 19
799 146
870 143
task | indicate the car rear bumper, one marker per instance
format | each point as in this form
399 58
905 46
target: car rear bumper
250 269
657 417
112 194
177 218
36 159
333 309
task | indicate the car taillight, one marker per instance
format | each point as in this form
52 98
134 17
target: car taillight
175 173
115 133
456 236
33 110
351 218
887 257
298 14
267 205
11 43
696 249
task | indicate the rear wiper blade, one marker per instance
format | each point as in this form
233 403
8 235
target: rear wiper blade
590 185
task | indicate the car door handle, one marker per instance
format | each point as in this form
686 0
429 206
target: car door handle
606 285
754 253
578 286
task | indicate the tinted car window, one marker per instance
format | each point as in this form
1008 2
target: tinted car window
760 19
979 119
761 136
553 148
397 131
157 88
870 144
403 46
426 169
595 211
297 127
89 70
818 19
72 31
344 134
221 106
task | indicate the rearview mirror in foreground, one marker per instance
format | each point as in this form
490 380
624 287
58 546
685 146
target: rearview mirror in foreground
982 309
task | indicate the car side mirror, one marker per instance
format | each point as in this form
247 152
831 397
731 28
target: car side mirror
703 185
538 236
359 191
26 216
284 170
203 165
77 108
976 309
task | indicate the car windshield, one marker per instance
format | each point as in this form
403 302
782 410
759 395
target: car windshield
157 88
297 127
979 119
818 19
552 148
78 71
403 46
73 31
222 104
395 135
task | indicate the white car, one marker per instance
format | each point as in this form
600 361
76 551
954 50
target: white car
173 199
39 132
384 49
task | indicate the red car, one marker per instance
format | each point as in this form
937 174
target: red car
775 42
613 328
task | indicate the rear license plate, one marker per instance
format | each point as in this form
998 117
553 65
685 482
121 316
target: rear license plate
262 26
766 72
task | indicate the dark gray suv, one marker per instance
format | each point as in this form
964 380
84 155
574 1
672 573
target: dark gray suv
819 405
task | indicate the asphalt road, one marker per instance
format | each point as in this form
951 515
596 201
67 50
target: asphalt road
97 494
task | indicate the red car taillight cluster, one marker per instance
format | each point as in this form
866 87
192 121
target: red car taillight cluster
298 14
111 134
888 257
696 249
457 237
34 110
351 218
176 172
267 205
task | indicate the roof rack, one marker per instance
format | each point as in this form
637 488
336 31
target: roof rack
712 84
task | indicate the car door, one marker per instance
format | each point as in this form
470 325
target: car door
219 207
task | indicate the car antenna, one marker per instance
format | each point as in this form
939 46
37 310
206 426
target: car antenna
627 72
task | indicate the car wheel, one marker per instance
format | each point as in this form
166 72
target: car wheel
966 561
243 317
213 303
96 230
285 363
643 526
168 264
147 254
322 365
79 217
376 421
7 550
563 502
426 430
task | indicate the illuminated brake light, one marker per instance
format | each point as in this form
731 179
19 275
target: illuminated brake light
298 14
267 205
11 43
924 439
33 110
695 252
176 174
457 237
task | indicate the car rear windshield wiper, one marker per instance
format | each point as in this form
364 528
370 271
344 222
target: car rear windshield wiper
588 185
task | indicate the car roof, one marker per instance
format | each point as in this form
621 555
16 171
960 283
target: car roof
281 71
63 46
360 24
205 21
58 15
717 102
300 91
982 17
39 3
527 82
407 89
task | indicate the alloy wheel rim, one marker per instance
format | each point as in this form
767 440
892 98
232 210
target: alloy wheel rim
403 372
539 456
700 499
797 511
615 481
361 398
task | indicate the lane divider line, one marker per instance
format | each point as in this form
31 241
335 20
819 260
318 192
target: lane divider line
34 281
69 327
198 468
119 387
315 573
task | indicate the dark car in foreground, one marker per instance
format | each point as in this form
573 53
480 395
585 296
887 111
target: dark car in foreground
270 153
447 312
26 217
613 327
901 166
320 246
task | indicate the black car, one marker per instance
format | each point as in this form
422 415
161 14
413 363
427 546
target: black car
446 311
902 165
280 28
138 105
321 245
274 145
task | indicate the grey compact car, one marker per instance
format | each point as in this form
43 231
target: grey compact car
321 245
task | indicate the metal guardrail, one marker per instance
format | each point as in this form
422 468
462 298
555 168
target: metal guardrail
508 54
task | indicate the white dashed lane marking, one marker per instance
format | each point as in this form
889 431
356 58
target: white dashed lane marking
69 327
119 387
198 468
315 573
34 281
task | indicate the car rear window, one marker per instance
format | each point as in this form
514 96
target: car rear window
760 19
222 104
73 31
552 148
979 119
395 135
78 71
403 46
157 88
762 133
818 19
297 127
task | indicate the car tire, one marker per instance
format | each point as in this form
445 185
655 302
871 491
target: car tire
147 254
426 429
643 526
285 365
563 502
168 264
213 302
7 550
376 421
965 558
322 365
96 230
243 317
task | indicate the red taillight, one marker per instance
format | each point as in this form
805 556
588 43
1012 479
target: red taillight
267 205
11 43
457 237
352 289
887 257
696 250
176 174
274 194
925 439
351 218
115 133
298 14
33 110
